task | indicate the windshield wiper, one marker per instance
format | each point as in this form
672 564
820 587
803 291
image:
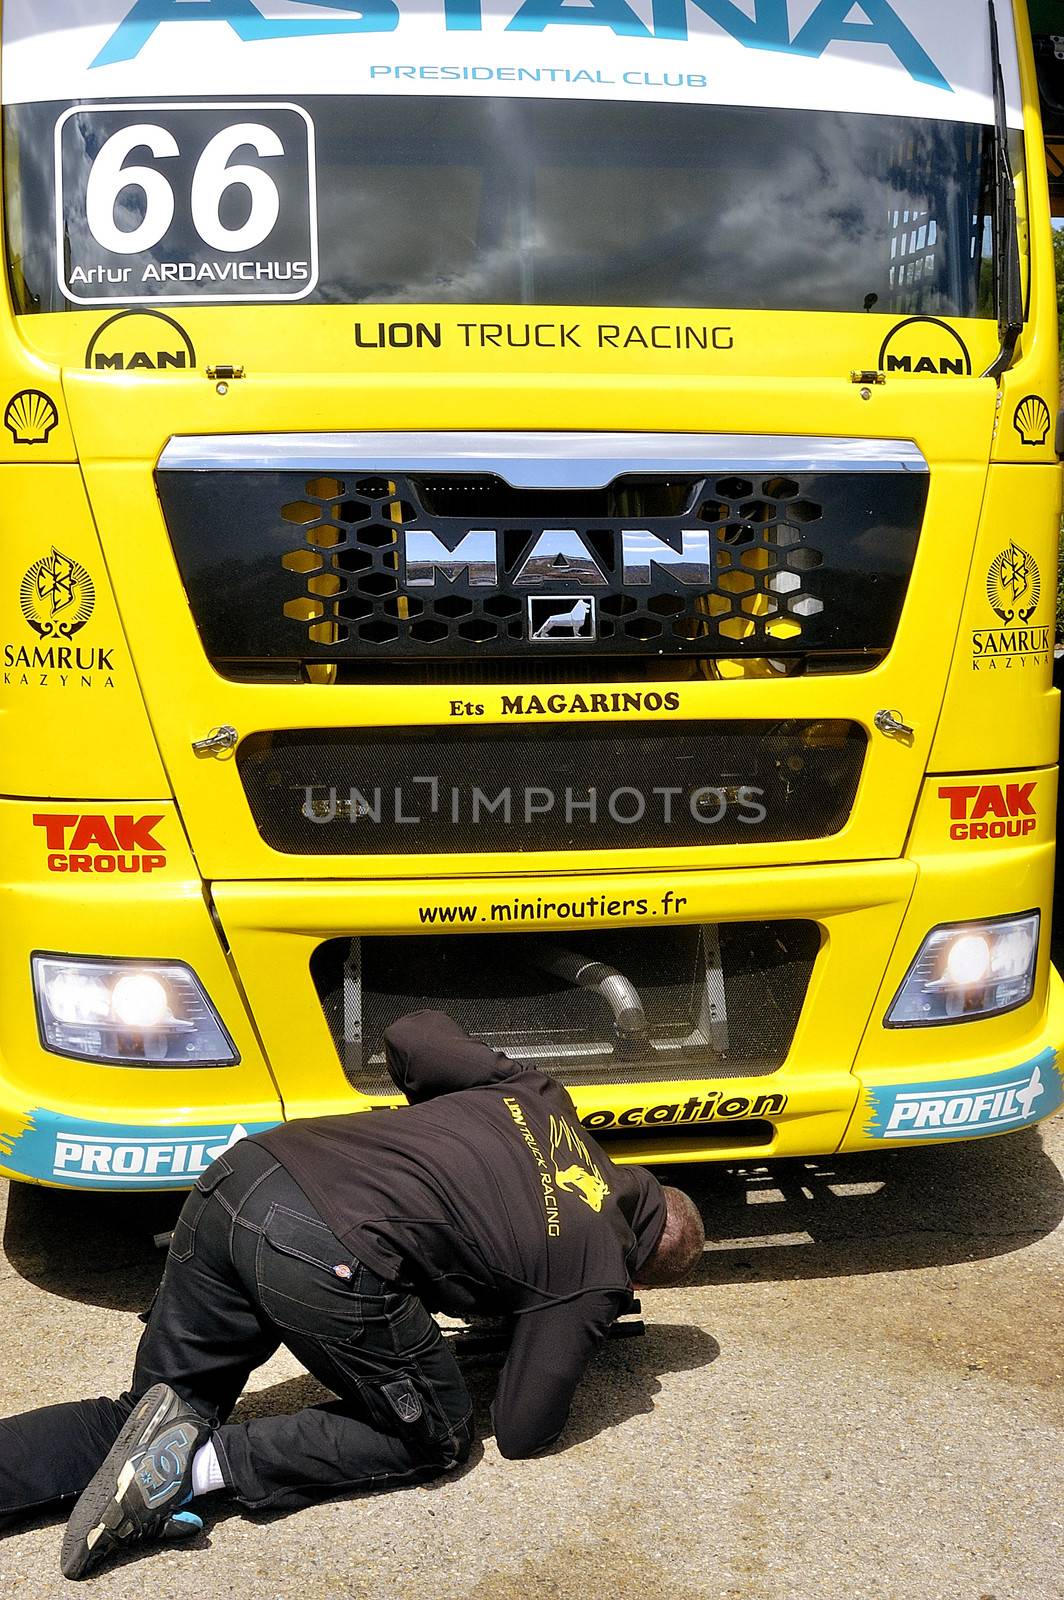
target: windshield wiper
1006 222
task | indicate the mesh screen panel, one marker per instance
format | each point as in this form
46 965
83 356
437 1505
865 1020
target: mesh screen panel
606 786
692 1002
286 567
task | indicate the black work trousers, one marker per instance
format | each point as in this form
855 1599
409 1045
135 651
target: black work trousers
252 1266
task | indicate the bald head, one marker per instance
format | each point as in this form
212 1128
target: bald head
680 1247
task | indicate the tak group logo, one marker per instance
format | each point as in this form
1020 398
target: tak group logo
31 417
140 341
981 811
967 1108
57 596
1033 421
91 843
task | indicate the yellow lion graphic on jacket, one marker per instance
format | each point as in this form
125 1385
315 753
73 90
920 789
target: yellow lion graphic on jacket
581 1177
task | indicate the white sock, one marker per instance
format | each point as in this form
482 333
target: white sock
206 1470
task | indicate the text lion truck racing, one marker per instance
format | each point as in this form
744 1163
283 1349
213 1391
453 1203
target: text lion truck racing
544 510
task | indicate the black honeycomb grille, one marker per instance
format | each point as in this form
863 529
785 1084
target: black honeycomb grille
353 535
283 567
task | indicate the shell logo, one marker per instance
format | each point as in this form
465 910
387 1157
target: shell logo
30 417
1033 420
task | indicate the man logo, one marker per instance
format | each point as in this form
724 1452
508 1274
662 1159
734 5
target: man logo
561 617
140 341
925 347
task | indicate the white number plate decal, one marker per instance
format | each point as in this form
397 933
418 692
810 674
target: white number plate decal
178 203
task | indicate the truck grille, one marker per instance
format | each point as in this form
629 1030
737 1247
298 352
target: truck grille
284 568
636 1005
606 786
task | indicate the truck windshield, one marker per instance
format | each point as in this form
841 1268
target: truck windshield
437 199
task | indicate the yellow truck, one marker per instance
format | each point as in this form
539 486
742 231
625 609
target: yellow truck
544 509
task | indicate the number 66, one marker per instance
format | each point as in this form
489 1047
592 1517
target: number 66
212 178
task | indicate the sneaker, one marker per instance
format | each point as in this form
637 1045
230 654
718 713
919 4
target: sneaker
144 1481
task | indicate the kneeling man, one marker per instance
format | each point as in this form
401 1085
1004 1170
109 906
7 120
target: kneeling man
338 1237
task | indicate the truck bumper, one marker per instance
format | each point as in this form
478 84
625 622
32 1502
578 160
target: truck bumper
846 1082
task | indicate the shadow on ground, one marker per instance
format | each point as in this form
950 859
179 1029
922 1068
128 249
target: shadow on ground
97 1249
622 1384
781 1220
874 1212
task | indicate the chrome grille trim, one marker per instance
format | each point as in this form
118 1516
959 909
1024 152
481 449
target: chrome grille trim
538 460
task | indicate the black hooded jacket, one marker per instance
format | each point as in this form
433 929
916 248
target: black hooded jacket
485 1195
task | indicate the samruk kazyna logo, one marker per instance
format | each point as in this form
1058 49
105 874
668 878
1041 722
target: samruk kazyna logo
1014 578
57 596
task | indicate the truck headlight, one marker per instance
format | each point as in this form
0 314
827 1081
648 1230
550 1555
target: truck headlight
969 970
128 1013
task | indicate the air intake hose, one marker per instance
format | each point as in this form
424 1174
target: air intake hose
619 993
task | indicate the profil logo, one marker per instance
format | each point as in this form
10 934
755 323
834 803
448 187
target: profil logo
990 811
964 1108
107 846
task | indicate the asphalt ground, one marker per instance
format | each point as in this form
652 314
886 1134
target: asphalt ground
860 1395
